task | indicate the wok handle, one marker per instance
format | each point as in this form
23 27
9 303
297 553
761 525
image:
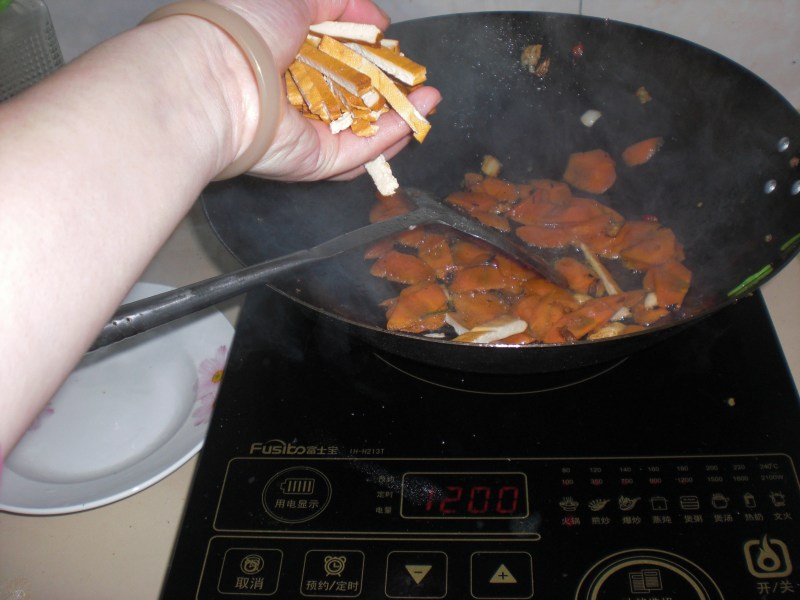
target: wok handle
139 316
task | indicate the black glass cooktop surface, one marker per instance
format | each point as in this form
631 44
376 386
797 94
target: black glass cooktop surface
332 470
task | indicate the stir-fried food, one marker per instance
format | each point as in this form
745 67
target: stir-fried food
466 290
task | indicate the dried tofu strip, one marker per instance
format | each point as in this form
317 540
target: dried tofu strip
304 77
612 287
353 81
494 330
293 92
351 86
394 96
392 63
393 45
363 128
354 32
381 174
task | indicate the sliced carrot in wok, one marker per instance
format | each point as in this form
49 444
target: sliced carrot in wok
543 287
546 198
411 238
670 282
592 314
402 268
656 249
549 190
544 237
640 152
579 277
418 308
630 234
491 219
389 206
648 316
513 269
468 254
500 189
472 180
593 171
478 279
472 201
561 236
530 211
576 210
475 309
541 313
434 251
379 248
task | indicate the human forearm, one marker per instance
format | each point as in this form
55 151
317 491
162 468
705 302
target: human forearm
100 162
97 166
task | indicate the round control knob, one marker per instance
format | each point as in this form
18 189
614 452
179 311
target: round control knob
647 571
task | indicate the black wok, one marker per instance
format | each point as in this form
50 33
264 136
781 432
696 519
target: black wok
729 138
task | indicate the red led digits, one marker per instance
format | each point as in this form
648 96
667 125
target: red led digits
465 495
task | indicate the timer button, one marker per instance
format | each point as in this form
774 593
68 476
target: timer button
647 571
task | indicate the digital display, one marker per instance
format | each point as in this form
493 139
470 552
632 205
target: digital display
464 496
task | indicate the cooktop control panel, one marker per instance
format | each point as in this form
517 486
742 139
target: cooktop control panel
307 522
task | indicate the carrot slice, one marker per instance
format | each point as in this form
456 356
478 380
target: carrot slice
389 206
541 313
543 287
530 211
467 254
513 269
592 314
656 249
434 251
420 307
379 248
593 171
579 277
472 201
472 310
648 316
478 279
472 180
630 234
543 237
670 282
411 238
402 268
549 190
491 219
640 152
500 189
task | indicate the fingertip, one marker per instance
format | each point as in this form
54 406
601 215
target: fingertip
425 99
365 11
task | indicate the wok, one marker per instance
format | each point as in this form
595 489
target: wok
723 180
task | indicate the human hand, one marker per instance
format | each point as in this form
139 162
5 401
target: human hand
305 149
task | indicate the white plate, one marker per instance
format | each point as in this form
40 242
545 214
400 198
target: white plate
127 417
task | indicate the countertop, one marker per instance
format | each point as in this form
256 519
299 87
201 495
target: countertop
122 550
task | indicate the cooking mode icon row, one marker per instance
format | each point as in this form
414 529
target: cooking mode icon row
686 502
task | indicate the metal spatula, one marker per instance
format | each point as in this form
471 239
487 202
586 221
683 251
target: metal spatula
139 316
